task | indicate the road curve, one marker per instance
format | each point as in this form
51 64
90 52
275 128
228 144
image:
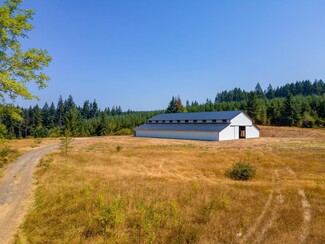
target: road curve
16 188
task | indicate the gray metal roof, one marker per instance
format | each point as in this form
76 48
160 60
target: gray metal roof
182 127
198 115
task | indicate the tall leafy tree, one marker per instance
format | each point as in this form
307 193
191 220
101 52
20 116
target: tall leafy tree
18 67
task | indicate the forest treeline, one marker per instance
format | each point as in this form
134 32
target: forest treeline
56 120
299 104
302 88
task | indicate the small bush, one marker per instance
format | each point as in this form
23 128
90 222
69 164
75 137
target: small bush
242 171
55 132
5 152
119 148
41 132
65 143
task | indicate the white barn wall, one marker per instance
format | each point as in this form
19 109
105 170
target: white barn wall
202 135
236 132
228 133
241 120
252 132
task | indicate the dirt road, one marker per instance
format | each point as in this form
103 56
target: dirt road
16 191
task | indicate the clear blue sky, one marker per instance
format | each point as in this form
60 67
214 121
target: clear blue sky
139 53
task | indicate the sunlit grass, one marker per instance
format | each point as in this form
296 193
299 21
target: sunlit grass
174 191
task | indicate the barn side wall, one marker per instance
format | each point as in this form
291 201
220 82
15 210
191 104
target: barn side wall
229 133
200 135
252 132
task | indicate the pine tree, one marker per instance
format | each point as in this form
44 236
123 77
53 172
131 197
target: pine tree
69 104
172 107
37 116
93 110
59 112
51 119
259 91
253 107
45 115
72 121
270 94
291 113
85 111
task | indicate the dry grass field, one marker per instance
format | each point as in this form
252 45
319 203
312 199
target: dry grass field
141 190
11 149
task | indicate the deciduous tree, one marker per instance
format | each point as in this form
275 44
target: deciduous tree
17 66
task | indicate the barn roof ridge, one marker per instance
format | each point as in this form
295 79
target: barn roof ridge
198 115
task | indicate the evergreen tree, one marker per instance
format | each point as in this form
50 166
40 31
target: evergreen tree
37 117
253 107
113 111
93 110
259 91
172 107
291 112
69 104
73 121
59 112
46 115
270 94
85 112
51 119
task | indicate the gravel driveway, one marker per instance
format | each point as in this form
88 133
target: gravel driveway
16 188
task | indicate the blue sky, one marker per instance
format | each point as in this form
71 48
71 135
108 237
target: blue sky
139 53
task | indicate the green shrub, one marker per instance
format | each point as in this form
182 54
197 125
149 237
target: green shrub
119 148
5 152
41 132
65 143
3 131
55 132
242 171
124 131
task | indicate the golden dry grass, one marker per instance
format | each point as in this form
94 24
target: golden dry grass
11 149
176 191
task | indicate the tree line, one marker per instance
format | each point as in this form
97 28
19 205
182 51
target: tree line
87 120
300 104
52 120
303 88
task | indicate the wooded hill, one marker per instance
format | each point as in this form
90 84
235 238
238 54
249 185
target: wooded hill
299 104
